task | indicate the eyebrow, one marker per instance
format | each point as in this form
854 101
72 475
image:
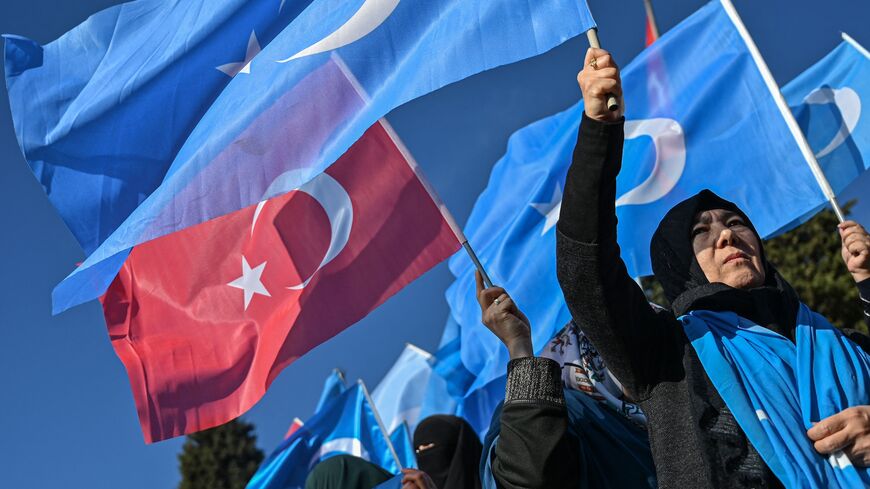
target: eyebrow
705 217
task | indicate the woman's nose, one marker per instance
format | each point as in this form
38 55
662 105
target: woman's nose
726 237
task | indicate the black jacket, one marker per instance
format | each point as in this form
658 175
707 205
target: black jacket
695 441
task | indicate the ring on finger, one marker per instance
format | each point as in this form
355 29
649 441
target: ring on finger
594 63
497 301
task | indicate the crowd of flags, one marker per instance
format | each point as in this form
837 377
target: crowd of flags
205 158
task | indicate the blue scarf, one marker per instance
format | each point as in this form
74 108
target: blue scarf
777 389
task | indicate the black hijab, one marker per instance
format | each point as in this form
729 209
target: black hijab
453 459
773 305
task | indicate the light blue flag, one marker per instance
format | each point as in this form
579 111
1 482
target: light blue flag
400 394
394 483
346 425
699 115
333 387
157 115
474 403
404 445
830 101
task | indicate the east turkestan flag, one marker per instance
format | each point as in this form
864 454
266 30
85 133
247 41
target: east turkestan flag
153 116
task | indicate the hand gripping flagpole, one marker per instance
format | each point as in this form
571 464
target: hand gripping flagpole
782 105
380 424
592 35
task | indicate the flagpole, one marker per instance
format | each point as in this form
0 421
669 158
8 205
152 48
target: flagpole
448 216
855 44
592 35
651 17
380 424
790 121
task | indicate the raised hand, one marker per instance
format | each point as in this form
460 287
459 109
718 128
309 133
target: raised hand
856 249
502 316
598 78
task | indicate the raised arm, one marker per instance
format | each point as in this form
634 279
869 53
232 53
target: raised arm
533 448
639 346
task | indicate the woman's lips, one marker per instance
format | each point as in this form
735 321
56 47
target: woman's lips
736 256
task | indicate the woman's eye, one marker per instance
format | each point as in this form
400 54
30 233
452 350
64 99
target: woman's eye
698 231
735 222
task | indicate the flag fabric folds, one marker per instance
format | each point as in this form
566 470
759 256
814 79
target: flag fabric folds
699 116
394 483
402 439
156 115
206 318
346 425
829 101
400 394
333 387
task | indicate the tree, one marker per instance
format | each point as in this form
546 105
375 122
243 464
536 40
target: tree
225 457
809 258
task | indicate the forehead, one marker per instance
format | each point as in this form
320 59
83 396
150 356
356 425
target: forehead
712 215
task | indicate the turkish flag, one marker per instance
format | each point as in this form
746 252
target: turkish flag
204 319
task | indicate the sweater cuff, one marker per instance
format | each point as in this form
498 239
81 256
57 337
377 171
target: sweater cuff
864 290
864 294
534 379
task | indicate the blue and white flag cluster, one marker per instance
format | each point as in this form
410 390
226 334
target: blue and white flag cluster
345 425
156 115
699 115
400 394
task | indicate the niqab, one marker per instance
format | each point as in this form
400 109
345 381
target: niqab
451 454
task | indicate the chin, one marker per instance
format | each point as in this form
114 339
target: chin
747 280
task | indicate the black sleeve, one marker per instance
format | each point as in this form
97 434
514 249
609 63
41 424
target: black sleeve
534 449
641 347
864 295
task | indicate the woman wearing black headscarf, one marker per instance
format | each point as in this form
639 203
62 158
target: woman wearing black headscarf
711 263
449 451
729 379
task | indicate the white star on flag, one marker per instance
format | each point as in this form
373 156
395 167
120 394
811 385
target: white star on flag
244 66
250 281
550 210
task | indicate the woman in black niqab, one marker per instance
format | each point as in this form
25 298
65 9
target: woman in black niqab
449 451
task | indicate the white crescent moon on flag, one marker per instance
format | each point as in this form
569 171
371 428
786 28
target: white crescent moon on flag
849 103
370 15
670 149
335 202
350 446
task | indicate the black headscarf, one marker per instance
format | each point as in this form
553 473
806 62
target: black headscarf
774 304
346 472
453 459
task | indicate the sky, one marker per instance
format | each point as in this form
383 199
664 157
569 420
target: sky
67 417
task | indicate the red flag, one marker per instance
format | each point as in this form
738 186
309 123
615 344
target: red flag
204 319
652 30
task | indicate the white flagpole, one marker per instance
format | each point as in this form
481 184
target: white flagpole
448 216
855 44
381 424
790 121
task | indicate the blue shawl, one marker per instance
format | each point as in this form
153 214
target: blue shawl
777 389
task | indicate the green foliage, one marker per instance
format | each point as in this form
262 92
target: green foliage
225 457
809 258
